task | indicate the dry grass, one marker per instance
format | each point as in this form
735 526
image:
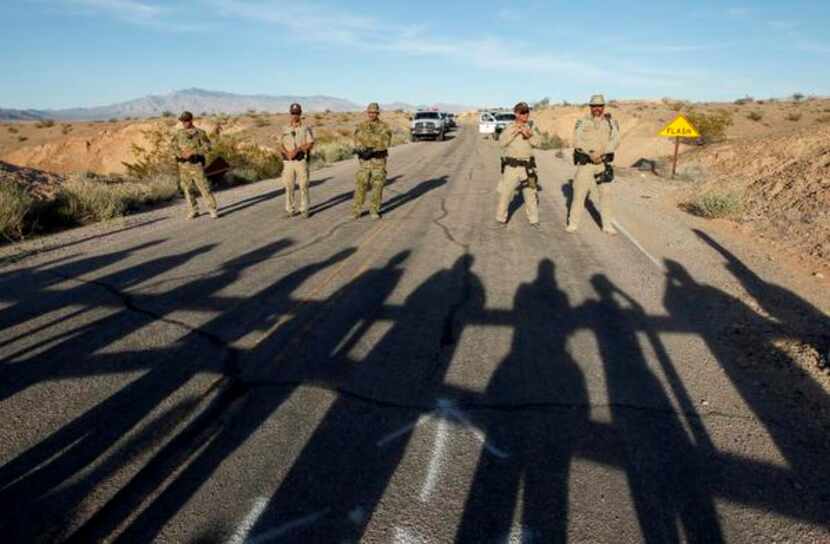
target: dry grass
87 199
14 205
716 204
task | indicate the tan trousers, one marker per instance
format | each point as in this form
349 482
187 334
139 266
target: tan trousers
194 174
295 171
584 184
511 179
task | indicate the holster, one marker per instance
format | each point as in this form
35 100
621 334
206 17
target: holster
369 154
581 158
607 175
529 165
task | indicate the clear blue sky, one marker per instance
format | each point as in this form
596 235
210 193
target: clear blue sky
63 53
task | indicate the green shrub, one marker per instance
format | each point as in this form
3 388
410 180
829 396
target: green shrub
755 116
716 204
45 123
87 198
798 97
551 141
744 100
167 113
712 126
793 117
332 152
15 203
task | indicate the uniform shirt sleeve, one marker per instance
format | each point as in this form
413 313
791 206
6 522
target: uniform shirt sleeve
309 136
508 136
204 143
614 141
579 140
174 145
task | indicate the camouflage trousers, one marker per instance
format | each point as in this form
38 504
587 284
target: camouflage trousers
191 175
511 180
295 171
585 184
370 172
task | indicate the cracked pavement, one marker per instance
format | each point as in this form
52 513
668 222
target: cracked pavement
423 378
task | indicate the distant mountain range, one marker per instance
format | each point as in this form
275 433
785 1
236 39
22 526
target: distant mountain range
201 101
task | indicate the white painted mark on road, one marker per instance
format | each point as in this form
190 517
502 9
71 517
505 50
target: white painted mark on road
638 245
400 432
242 530
407 536
435 462
521 535
287 527
460 416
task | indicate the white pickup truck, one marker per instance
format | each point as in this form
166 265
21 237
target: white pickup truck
486 123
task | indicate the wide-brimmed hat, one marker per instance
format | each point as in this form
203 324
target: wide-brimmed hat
597 100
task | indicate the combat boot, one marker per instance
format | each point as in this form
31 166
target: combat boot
570 228
214 214
192 214
375 215
609 230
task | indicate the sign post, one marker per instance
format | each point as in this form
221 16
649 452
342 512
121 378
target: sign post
679 128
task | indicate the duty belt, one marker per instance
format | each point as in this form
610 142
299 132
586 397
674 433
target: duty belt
519 163
193 159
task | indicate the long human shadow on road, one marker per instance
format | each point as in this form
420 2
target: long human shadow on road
42 486
240 205
568 193
674 478
541 442
343 197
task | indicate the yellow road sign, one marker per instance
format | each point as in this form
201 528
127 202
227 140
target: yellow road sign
679 128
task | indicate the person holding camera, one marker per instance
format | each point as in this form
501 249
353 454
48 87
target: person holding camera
296 142
190 146
596 138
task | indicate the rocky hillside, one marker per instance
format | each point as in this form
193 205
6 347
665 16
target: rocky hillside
37 183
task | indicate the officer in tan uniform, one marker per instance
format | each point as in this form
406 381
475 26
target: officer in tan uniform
596 138
519 166
295 145
190 146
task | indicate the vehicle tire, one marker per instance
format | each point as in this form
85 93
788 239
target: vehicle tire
412 138
442 136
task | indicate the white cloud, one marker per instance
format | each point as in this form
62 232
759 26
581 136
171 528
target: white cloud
127 9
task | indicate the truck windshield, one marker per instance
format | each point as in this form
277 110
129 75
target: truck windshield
427 115
505 117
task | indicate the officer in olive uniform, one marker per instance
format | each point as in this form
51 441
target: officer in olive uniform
372 139
596 138
295 145
518 166
191 145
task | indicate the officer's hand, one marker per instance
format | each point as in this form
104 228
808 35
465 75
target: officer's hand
526 132
186 154
596 158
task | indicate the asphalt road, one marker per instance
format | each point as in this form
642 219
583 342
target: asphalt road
423 378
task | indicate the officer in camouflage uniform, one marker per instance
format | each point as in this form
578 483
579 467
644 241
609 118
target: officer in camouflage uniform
191 145
596 138
295 145
519 165
372 140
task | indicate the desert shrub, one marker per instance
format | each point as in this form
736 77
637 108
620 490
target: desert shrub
332 152
793 117
112 120
318 116
167 113
398 137
154 158
551 141
14 205
712 126
745 100
13 130
542 104
45 123
22 138
798 97
716 204
755 116
242 156
823 119
88 198
262 122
